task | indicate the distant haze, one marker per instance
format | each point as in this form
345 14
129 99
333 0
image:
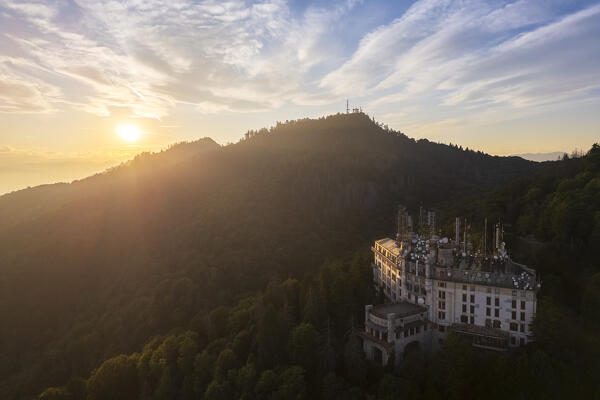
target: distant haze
539 157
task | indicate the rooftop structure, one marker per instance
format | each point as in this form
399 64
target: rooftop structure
391 328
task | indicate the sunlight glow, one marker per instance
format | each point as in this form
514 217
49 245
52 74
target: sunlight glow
128 132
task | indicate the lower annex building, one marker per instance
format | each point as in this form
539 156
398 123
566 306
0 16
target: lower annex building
434 285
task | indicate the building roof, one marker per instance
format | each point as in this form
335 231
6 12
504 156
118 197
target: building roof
390 245
402 309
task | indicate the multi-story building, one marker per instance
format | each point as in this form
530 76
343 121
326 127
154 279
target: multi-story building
486 298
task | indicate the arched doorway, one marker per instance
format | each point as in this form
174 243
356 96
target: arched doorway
412 348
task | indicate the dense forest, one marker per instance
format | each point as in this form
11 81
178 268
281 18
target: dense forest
295 340
169 254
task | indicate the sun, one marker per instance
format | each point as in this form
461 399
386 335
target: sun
128 132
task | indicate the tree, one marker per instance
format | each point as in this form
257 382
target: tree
312 311
356 369
292 385
242 344
115 379
55 393
246 380
304 345
218 390
217 322
392 387
266 385
225 362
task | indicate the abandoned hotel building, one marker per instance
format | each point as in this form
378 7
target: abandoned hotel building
435 285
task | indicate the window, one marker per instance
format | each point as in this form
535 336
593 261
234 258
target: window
405 333
464 308
464 297
488 312
472 298
514 326
497 324
442 294
513 340
522 305
522 328
488 301
514 315
522 316
472 309
441 315
472 320
514 303
497 302
464 319
497 313
442 305
522 341
418 329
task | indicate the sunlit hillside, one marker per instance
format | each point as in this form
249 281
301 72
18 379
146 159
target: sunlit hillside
97 267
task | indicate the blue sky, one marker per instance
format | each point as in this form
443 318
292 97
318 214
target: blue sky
501 76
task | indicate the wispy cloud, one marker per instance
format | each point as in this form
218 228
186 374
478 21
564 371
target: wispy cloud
473 53
149 56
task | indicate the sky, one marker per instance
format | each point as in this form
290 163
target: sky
504 77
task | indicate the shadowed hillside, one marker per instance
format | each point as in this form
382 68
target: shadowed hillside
96 267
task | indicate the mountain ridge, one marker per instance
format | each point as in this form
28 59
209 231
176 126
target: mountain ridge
124 259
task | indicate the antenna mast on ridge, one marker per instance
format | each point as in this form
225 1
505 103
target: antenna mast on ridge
347 107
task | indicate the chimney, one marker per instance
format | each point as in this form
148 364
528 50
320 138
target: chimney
498 233
457 226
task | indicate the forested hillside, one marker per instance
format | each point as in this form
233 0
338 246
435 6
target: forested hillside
96 268
294 340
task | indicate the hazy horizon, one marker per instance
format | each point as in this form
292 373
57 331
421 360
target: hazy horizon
21 171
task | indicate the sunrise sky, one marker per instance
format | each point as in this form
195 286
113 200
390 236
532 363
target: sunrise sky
502 77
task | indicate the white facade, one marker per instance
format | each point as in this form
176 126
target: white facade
491 300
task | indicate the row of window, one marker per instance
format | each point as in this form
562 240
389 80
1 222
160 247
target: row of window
515 327
412 331
466 288
488 301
